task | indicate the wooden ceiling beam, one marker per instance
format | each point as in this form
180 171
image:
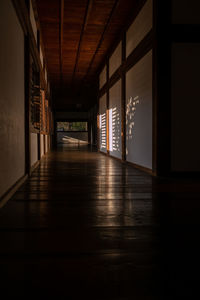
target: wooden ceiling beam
102 37
85 21
61 28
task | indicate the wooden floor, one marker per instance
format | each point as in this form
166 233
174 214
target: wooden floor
87 226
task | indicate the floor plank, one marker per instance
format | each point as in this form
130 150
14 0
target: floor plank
87 225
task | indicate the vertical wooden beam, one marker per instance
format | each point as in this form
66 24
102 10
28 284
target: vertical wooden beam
123 101
27 70
107 108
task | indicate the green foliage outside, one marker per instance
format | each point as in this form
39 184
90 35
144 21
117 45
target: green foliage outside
71 126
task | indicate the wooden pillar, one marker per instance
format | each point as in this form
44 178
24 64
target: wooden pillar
27 102
98 128
107 108
123 101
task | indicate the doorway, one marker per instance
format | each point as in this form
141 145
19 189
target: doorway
69 132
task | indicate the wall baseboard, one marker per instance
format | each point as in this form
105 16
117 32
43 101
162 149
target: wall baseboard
4 199
141 168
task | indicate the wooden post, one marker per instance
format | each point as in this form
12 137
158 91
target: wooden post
27 70
123 101
107 108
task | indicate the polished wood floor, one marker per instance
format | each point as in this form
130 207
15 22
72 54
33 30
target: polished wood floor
87 226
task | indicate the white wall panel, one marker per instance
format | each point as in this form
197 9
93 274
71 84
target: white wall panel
140 27
102 77
33 23
41 57
185 12
115 144
41 145
34 148
45 74
139 113
185 105
12 131
115 60
103 124
46 144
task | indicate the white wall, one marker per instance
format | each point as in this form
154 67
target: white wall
185 12
41 57
115 144
139 113
115 60
45 74
41 145
185 105
140 27
103 124
34 148
102 77
33 23
12 131
46 143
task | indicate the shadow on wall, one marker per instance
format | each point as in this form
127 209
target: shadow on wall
130 114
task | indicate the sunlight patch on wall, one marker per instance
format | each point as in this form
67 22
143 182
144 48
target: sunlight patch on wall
103 130
115 120
130 121
139 112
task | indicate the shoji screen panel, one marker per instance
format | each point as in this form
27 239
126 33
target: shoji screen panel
115 60
34 148
102 77
12 114
139 113
115 145
140 27
33 22
103 124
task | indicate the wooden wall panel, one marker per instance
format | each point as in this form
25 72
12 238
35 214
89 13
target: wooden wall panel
140 27
103 123
115 60
102 77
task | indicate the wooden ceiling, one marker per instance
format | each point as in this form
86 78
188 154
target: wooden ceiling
78 34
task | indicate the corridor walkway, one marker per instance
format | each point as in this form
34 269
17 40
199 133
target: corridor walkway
87 226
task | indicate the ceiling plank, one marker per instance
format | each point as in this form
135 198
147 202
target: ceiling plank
86 16
61 25
102 37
